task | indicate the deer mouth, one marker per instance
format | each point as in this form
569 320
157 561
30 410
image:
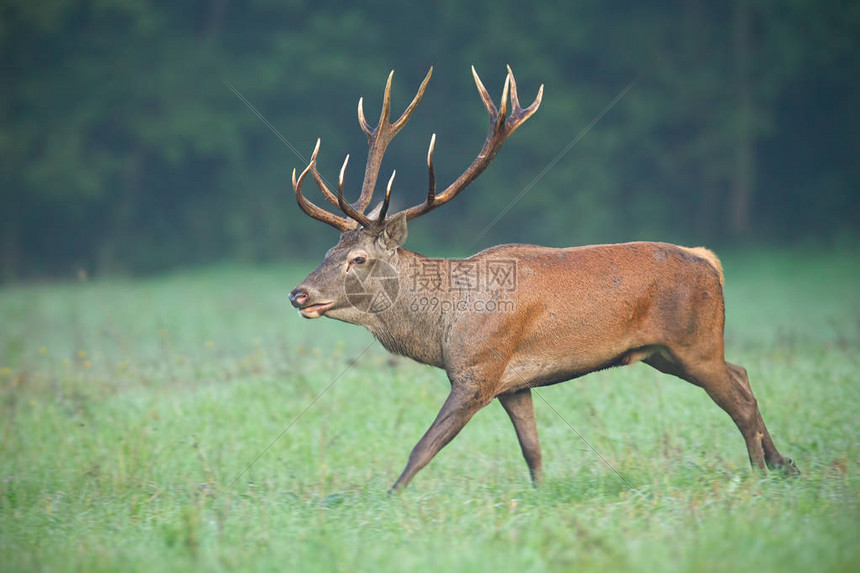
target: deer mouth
315 310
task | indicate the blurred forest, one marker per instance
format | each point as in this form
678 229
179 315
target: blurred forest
124 150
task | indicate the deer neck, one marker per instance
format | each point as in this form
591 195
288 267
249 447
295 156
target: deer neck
419 318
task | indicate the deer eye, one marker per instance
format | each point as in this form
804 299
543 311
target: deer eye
358 260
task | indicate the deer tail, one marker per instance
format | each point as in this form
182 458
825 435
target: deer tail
709 256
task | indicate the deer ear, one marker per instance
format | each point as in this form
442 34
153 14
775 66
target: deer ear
395 233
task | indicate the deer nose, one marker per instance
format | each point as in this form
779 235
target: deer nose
298 297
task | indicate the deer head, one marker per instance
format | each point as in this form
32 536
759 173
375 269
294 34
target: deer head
367 240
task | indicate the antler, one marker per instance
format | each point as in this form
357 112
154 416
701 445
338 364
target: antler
501 126
378 138
381 136
339 223
346 207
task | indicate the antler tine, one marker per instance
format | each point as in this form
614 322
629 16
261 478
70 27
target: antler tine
346 207
330 197
385 114
340 176
502 125
339 223
515 101
365 127
381 136
519 114
503 106
485 96
431 171
384 209
404 117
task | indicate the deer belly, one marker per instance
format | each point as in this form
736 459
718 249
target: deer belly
562 351
542 370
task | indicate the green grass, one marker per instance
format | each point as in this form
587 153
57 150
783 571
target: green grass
129 407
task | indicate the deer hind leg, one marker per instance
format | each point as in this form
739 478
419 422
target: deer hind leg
738 402
772 457
728 386
522 413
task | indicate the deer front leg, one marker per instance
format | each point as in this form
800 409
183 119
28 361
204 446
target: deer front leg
522 413
461 405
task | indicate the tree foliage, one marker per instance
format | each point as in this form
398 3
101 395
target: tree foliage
123 146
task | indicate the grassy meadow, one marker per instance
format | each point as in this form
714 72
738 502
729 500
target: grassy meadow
132 409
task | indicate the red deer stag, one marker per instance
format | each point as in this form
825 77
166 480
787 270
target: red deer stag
514 317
